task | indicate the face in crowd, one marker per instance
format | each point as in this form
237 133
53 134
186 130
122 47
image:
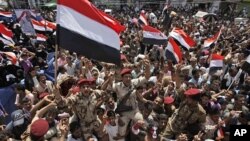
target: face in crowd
126 79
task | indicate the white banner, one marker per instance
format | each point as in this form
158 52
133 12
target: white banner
24 17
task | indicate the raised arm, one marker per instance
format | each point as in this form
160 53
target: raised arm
41 112
109 81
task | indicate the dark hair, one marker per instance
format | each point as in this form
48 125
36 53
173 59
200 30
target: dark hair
162 117
74 126
152 123
5 134
40 75
196 97
25 100
32 69
100 110
150 83
36 138
206 95
60 69
213 109
148 106
111 113
194 71
238 96
20 87
139 87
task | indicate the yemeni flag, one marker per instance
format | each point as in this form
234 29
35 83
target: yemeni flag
208 42
173 52
183 38
112 22
246 65
216 63
6 35
41 37
6 14
83 29
153 36
143 19
43 25
50 26
11 56
39 26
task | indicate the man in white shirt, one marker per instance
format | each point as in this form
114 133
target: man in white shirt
112 126
70 66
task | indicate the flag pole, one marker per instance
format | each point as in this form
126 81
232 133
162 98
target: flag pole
56 63
56 49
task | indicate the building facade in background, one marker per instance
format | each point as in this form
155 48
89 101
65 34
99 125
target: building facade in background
27 3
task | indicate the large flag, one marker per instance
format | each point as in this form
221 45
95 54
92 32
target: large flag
113 22
153 36
216 63
143 19
82 28
6 35
6 14
246 65
208 42
173 52
183 38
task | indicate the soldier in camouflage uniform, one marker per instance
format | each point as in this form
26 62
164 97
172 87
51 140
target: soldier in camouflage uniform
122 88
188 118
84 105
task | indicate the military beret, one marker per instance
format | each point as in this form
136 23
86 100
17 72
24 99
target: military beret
39 128
92 81
168 100
86 82
125 71
192 92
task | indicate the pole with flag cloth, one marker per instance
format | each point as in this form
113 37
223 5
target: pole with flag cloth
216 63
85 30
183 38
11 56
38 25
6 35
6 14
143 19
173 52
41 37
49 26
236 79
208 42
153 36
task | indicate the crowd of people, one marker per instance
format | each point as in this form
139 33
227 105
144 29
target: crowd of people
146 98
